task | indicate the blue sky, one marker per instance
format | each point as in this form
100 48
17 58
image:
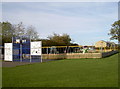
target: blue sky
85 22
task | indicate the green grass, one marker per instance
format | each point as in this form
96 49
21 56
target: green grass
64 73
0 76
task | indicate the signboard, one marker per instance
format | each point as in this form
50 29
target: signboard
36 48
8 52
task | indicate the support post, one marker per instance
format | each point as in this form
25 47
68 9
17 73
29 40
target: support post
41 51
20 51
30 50
12 49
47 50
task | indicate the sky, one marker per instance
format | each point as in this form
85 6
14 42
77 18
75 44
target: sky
85 22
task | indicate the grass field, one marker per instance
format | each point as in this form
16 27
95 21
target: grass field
64 73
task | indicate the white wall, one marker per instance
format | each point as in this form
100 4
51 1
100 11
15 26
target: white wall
36 48
8 49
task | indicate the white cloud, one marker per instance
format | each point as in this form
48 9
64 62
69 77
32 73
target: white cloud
78 26
52 22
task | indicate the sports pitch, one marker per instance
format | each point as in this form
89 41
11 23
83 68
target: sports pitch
101 72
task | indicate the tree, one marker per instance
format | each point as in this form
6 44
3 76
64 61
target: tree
19 29
32 33
7 31
60 40
47 42
115 31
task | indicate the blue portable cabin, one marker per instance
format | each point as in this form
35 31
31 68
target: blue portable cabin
21 48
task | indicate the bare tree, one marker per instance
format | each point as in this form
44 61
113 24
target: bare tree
19 29
32 33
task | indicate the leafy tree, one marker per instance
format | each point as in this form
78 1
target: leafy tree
7 32
47 42
61 40
32 33
115 31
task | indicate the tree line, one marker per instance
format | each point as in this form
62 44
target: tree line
9 30
12 30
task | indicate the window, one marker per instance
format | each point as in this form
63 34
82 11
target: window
17 41
23 41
